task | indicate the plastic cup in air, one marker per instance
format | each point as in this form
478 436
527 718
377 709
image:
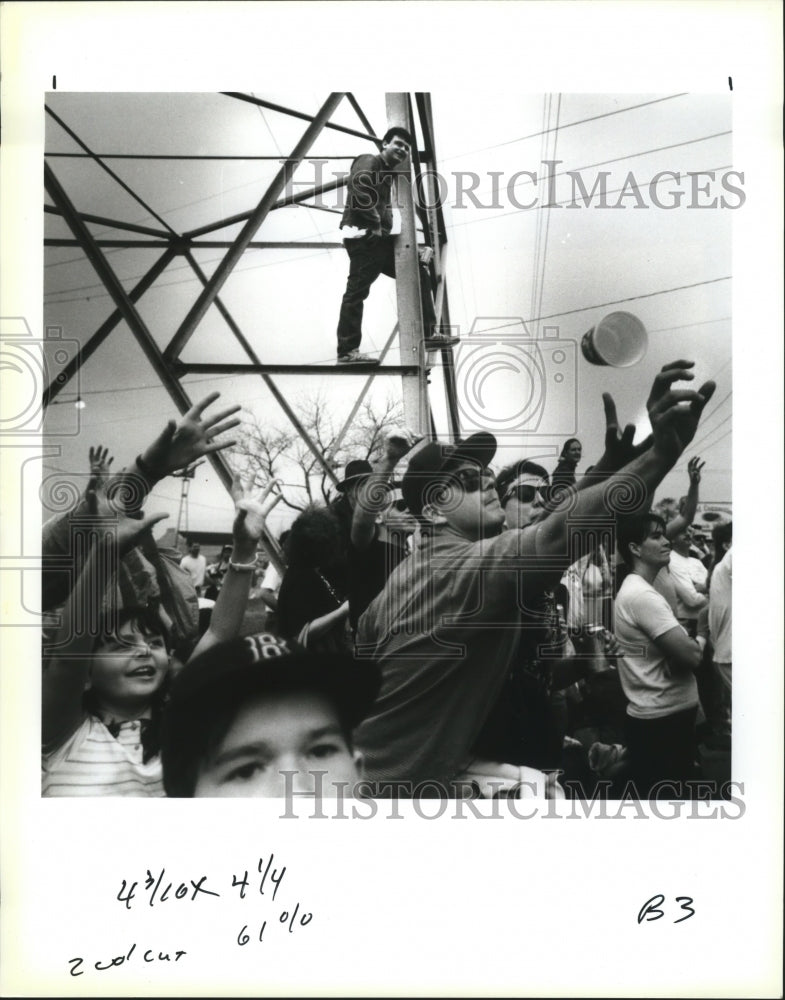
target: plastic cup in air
619 340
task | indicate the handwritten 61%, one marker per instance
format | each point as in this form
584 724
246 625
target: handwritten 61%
291 918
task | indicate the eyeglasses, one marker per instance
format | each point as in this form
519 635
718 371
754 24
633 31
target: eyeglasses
472 479
524 492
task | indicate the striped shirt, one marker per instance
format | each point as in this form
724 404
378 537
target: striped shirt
93 762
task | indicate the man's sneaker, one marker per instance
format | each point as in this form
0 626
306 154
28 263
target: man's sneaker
440 340
355 358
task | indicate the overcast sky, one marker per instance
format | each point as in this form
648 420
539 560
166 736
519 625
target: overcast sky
506 265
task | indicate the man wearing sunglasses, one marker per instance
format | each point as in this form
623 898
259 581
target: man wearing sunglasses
445 629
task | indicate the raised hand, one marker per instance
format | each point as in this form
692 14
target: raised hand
249 521
181 444
398 442
694 467
619 449
100 461
118 525
674 413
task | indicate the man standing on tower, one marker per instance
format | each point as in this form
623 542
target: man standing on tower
369 225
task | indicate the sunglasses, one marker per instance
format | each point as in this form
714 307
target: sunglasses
524 493
472 480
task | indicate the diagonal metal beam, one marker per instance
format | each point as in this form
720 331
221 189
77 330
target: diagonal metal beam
180 245
292 199
361 115
295 114
112 223
103 331
274 390
227 265
363 393
127 309
181 156
108 170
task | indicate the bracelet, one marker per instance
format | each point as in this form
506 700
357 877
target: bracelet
242 567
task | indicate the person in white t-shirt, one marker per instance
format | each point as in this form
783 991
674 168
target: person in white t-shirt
721 619
657 668
195 565
689 577
685 593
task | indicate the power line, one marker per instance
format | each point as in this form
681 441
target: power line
588 166
548 217
580 121
538 229
701 443
614 302
722 437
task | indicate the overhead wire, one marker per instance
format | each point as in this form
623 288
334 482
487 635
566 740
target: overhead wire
600 163
580 121
548 216
539 224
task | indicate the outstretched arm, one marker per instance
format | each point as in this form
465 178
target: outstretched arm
686 515
178 446
320 626
66 672
674 415
619 449
232 601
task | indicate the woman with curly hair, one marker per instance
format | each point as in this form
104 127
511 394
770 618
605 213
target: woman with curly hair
313 606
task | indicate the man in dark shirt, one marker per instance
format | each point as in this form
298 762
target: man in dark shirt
367 225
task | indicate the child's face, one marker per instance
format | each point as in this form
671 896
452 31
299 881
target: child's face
292 731
128 667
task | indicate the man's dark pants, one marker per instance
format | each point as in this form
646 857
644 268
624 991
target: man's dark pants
367 260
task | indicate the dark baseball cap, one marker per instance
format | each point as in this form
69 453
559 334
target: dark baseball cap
429 465
220 680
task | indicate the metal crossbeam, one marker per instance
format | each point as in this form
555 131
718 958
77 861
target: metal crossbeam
231 368
127 309
274 390
171 369
227 265
296 114
103 331
102 220
180 246
108 170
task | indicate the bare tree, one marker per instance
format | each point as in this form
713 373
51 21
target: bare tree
268 451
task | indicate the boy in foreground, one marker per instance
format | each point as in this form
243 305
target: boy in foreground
262 717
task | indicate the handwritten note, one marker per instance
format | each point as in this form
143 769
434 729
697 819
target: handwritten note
259 886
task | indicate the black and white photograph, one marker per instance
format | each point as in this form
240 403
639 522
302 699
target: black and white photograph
372 456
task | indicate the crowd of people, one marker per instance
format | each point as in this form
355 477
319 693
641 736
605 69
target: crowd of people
447 630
